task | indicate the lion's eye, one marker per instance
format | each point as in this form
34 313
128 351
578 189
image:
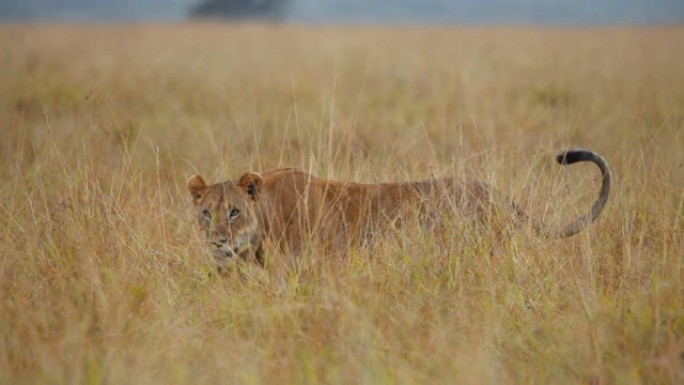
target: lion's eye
234 213
206 214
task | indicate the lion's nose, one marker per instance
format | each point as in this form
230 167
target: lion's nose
219 242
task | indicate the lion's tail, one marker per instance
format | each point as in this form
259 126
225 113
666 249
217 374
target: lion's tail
582 155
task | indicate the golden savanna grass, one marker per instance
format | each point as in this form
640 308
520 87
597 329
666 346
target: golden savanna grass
103 274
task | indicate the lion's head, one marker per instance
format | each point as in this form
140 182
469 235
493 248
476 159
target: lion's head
226 213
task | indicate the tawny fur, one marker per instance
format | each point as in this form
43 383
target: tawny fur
293 208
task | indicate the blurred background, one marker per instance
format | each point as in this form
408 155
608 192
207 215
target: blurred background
583 12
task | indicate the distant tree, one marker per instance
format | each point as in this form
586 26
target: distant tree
260 9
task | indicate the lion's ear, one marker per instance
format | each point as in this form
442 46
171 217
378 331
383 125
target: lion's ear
251 183
196 186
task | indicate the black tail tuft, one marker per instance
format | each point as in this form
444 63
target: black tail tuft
574 156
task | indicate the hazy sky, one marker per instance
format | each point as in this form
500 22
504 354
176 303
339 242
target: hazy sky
422 11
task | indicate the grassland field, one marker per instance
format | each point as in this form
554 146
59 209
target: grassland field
104 277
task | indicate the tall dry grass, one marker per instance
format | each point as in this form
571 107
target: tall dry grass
102 274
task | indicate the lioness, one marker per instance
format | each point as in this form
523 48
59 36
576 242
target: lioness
291 208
